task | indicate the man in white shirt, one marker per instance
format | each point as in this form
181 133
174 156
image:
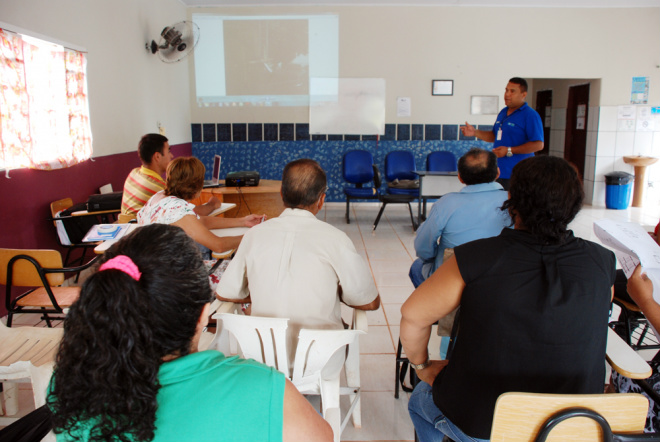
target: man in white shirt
296 266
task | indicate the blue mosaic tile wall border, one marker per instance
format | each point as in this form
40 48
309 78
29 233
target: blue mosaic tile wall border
209 132
270 157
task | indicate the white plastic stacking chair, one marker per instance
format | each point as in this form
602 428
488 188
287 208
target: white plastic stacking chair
27 354
261 339
224 342
264 340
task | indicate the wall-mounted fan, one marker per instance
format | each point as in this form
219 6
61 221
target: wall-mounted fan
176 41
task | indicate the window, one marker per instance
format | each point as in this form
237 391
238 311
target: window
44 113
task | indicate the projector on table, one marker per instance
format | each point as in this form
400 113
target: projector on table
246 178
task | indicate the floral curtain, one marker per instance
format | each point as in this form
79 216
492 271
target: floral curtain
44 112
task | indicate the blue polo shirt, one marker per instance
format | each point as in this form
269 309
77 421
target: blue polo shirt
523 125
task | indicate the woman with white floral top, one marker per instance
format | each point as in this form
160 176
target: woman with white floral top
185 180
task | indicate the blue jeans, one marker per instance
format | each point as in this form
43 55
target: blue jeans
431 425
416 273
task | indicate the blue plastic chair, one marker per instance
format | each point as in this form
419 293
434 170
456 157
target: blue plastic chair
357 168
441 161
399 165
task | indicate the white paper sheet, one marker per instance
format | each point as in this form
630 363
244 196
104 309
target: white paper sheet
633 246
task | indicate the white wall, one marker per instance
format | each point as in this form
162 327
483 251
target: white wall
130 90
479 48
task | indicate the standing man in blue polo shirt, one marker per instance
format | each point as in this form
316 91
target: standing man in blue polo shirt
517 132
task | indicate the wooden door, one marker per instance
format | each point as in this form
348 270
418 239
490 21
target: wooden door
544 109
577 115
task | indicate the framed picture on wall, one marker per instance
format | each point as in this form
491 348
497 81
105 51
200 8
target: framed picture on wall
442 87
484 104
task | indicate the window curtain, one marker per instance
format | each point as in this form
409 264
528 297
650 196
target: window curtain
44 112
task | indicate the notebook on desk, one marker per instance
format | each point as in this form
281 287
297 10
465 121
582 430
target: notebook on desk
215 180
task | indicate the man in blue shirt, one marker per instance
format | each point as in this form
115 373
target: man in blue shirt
460 217
517 132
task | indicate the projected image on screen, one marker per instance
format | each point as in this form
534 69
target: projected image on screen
263 61
270 54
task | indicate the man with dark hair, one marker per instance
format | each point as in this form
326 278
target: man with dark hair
144 182
461 217
517 132
296 266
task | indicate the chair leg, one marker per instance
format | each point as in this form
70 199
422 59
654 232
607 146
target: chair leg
66 258
348 202
47 319
380 213
399 350
330 405
9 318
352 367
412 218
82 261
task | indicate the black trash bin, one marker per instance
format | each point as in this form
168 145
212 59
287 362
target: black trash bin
618 189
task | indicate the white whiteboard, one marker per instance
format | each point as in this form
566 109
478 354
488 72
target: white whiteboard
354 106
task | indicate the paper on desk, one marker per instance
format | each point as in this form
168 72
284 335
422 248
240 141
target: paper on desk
97 232
632 246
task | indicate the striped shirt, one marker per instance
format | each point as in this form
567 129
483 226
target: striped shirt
140 185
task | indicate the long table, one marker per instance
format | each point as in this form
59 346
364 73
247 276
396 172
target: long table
262 199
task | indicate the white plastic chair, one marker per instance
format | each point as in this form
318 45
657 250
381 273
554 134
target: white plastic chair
27 354
318 358
224 343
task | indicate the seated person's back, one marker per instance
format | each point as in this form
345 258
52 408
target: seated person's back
293 266
185 180
534 309
143 182
459 217
129 364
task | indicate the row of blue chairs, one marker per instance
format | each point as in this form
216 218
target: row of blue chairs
359 169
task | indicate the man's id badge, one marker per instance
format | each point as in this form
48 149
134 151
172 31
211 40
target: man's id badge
499 134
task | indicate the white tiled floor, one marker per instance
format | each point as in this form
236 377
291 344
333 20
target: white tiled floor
390 251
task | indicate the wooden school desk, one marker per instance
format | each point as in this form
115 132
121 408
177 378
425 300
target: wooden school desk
262 199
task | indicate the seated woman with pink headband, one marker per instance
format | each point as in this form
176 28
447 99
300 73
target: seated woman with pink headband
128 366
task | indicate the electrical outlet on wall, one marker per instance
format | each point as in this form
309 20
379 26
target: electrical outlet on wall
161 128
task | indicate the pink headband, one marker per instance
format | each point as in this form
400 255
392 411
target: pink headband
124 264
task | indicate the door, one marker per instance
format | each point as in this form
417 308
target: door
577 114
544 109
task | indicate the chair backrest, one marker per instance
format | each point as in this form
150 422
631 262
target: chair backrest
441 161
520 416
35 344
314 350
357 167
400 164
261 339
59 205
24 273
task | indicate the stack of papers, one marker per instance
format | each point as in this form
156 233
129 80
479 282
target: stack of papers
632 246
104 232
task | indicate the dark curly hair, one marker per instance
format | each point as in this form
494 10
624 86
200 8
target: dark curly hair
118 332
546 193
185 177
